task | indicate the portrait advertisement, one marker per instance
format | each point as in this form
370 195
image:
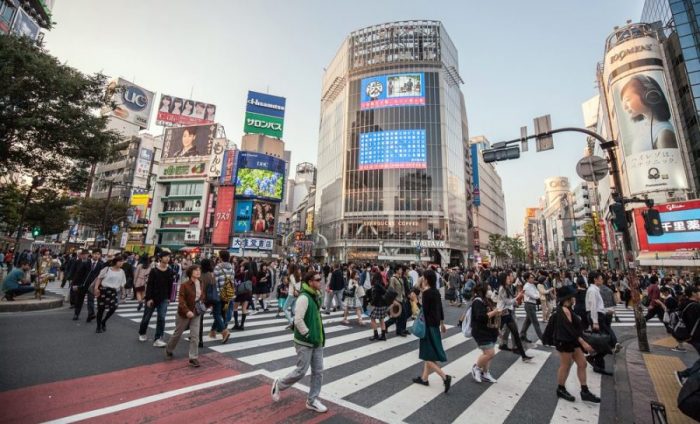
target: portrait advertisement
648 135
193 141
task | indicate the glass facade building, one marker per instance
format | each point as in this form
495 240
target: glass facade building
392 182
681 22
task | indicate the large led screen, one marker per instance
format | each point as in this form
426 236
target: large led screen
393 150
393 90
260 176
681 224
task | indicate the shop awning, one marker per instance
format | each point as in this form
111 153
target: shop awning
677 258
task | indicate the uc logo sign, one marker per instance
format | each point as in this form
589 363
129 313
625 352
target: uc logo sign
134 98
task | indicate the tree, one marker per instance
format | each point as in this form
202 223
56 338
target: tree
45 210
50 128
587 243
497 246
515 248
99 214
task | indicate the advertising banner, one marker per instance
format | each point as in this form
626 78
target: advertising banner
260 176
392 90
265 104
681 224
603 236
183 170
248 243
133 103
228 167
223 216
174 110
263 217
244 214
194 141
399 149
143 164
24 25
309 222
217 157
263 124
476 199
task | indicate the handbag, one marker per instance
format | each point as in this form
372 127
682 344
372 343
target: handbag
600 342
418 327
199 307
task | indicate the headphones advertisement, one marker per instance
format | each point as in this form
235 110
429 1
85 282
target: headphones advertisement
648 133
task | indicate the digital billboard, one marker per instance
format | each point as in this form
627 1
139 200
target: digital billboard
476 199
244 213
174 110
223 216
193 141
392 90
393 150
259 176
681 224
263 217
132 102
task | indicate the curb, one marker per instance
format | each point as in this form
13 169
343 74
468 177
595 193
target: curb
48 302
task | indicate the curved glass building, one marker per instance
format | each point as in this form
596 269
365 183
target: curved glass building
393 169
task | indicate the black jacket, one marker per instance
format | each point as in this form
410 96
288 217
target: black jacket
482 330
159 285
432 307
337 280
378 292
85 274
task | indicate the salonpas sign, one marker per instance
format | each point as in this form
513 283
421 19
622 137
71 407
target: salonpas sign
263 124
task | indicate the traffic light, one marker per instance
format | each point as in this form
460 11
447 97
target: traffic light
652 222
618 216
36 231
500 154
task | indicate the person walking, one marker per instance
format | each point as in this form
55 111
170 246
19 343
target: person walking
595 307
570 344
531 297
293 293
158 287
309 340
111 280
396 283
337 287
282 295
352 297
222 271
430 348
244 294
190 308
506 302
213 291
86 274
485 321
379 307
263 286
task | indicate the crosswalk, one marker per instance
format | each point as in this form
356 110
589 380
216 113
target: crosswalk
375 377
625 315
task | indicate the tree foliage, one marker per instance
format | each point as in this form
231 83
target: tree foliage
49 121
507 248
587 244
46 210
99 214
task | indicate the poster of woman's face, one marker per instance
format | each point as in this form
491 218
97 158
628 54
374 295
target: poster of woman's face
188 141
648 135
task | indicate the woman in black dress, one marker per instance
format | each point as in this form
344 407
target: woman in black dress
430 350
569 341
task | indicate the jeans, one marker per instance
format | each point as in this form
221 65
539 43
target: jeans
182 324
306 356
20 290
217 310
530 319
80 298
338 296
289 309
162 308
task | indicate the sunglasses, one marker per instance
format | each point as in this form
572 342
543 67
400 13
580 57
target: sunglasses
317 279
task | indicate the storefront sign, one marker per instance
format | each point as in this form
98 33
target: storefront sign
252 243
428 244
184 170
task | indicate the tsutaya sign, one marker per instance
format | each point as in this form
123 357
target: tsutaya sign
427 244
622 53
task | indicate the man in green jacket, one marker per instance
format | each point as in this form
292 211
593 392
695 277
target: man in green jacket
309 339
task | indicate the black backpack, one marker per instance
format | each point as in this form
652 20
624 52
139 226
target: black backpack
689 397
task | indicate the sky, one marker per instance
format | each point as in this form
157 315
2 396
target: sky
518 59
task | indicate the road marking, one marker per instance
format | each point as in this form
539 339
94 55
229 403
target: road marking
361 379
234 346
498 401
150 399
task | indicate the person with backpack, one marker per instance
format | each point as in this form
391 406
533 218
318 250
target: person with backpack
687 330
214 295
244 294
485 320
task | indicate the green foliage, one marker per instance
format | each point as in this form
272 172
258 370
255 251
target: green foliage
587 243
259 183
49 121
46 210
504 247
99 214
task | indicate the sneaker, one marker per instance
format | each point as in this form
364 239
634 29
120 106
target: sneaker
275 391
143 337
679 378
589 397
159 343
486 376
316 405
617 348
194 363
476 374
679 349
564 394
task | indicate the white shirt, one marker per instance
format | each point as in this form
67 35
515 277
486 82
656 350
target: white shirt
414 277
532 295
113 279
594 302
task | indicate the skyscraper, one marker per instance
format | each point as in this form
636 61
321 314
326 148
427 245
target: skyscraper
391 181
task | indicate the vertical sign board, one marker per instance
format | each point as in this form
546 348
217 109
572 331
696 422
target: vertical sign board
543 124
228 167
223 216
523 137
264 114
476 201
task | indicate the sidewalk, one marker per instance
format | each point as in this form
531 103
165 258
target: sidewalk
643 377
27 302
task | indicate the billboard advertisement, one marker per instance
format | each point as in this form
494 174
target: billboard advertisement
132 103
681 224
228 167
143 164
643 111
244 214
139 205
24 25
263 124
263 217
173 110
476 198
392 90
194 141
184 170
217 157
223 216
265 104
397 149
309 222
259 176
